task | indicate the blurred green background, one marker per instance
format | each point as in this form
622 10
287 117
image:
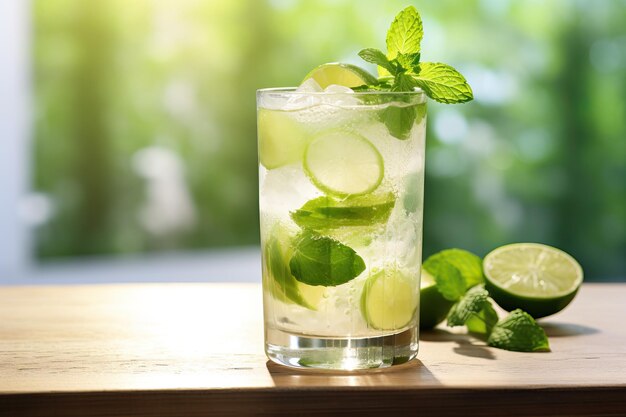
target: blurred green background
145 123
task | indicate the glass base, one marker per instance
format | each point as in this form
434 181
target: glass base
350 354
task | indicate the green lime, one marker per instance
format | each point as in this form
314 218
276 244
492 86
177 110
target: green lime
343 163
281 139
389 300
433 306
539 279
346 75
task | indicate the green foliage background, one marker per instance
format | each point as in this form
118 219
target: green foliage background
538 156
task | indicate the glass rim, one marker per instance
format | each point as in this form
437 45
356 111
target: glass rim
292 90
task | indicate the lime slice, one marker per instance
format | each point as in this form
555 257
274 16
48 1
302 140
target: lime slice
539 279
327 212
342 163
281 139
389 300
433 306
346 75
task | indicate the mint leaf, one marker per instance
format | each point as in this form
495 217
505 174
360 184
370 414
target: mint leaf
326 212
376 56
483 321
469 265
442 83
320 260
408 61
471 303
405 33
519 332
450 282
399 120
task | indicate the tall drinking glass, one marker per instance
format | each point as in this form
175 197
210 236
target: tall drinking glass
341 188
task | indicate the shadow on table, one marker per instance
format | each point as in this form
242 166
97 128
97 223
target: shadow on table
410 373
467 345
557 329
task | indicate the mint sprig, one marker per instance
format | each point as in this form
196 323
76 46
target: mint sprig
440 82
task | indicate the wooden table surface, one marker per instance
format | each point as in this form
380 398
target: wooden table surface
197 349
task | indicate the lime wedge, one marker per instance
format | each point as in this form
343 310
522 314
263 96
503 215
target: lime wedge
539 279
346 75
342 163
433 306
282 140
389 300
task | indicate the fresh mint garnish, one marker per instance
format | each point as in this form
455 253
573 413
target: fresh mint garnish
442 83
320 260
439 81
405 33
326 212
519 332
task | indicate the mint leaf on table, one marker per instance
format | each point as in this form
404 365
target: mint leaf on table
442 83
450 282
519 332
469 265
470 304
326 212
405 33
320 260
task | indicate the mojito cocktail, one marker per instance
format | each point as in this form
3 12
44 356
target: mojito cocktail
341 186
341 173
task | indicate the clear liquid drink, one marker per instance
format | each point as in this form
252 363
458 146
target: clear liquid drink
341 188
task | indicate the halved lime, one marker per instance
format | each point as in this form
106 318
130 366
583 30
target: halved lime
389 300
433 306
537 278
281 138
343 163
346 75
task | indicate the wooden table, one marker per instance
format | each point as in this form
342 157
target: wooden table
197 349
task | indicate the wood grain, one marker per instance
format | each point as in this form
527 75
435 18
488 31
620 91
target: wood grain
197 349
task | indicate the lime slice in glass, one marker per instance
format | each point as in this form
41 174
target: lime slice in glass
389 300
537 278
433 306
346 75
342 163
281 139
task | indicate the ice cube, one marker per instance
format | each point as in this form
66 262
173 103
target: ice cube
334 88
309 86
304 100
339 95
